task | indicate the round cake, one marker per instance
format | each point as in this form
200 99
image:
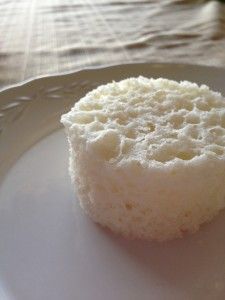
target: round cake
147 156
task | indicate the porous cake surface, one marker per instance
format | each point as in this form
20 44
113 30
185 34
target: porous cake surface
147 156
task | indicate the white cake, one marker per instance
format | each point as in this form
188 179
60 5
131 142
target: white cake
147 156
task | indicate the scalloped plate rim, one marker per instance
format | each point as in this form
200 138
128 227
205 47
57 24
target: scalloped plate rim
105 67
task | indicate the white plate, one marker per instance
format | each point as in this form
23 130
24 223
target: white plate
49 250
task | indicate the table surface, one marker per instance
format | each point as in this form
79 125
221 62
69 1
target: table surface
41 37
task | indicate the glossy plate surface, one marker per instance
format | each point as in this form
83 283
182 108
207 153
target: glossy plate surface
48 248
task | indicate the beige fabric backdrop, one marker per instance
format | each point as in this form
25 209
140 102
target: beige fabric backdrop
40 37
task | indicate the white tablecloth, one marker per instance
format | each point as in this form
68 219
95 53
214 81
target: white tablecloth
39 37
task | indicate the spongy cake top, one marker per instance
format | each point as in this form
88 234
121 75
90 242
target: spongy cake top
157 121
